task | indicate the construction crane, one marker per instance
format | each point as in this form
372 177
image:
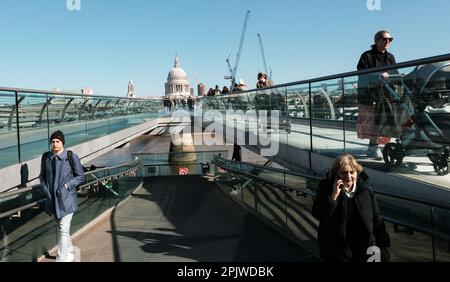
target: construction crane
269 73
233 71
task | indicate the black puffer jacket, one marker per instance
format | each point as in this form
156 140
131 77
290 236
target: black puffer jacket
332 215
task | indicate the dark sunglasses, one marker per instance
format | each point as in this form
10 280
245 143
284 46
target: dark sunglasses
387 39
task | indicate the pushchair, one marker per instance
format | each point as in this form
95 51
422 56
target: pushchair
425 97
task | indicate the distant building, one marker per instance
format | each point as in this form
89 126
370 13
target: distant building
201 89
177 85
87 91
130 93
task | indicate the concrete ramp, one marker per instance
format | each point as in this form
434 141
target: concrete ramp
183 218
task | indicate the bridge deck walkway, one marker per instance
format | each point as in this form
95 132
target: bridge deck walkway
183 219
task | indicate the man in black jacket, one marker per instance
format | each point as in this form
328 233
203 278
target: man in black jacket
370 121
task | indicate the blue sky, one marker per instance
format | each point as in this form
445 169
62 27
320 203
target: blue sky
107 42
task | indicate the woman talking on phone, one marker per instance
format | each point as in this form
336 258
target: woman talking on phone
348 213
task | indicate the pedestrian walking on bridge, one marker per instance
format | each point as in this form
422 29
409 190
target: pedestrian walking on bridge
348 214
61 173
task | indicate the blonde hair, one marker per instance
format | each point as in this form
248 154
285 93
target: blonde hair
342 161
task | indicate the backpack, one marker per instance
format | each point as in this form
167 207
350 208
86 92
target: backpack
69 158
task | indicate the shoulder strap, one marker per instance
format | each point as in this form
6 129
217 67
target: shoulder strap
45 156
43 159
70 159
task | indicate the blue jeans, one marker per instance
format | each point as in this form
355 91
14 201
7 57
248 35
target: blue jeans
65 248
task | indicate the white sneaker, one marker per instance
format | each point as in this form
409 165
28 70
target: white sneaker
74 255
71 257
77 254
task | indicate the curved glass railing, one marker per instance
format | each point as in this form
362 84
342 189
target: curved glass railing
28 117
321 115
27 232
419 231
178 163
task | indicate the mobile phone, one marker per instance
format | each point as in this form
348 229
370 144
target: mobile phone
341 186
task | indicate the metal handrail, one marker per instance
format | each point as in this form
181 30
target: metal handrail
410 63
18 191
312 193
25 207
169 153
418 228
406 64
25 190
50 92
111 167
97 180
172 164
388 194
277 170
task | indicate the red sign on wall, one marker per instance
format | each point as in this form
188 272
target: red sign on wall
183 170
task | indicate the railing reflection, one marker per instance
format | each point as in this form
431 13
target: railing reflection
409 113
27 117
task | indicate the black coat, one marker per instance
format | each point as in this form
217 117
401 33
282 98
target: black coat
237 153
390 115
369 59
332 216
369 84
